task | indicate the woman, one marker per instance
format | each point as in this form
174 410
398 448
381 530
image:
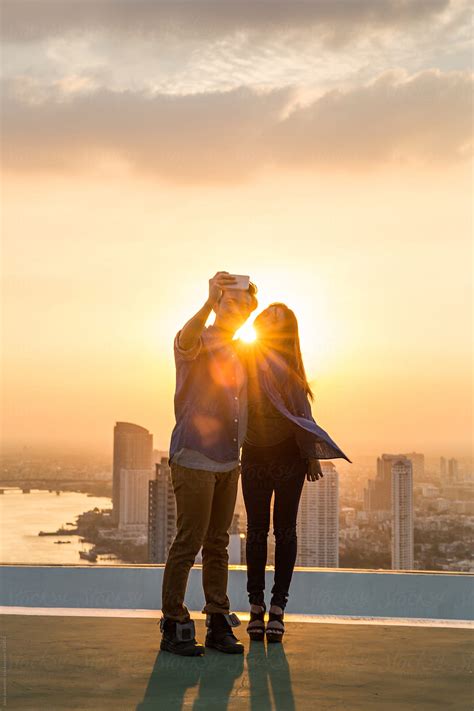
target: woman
283 447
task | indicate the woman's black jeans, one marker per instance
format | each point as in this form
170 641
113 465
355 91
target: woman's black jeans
265 470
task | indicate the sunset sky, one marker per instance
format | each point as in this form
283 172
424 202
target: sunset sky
324 148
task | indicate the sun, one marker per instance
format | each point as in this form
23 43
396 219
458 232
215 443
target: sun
246 333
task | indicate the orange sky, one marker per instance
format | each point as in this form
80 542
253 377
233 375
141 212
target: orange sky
332 166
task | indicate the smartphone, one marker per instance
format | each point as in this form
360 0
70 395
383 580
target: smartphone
242 282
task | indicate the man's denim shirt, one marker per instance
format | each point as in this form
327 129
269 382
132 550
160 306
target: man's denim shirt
210 383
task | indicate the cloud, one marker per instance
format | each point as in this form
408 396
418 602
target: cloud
338 20
425 118
196 137
200 46
232 135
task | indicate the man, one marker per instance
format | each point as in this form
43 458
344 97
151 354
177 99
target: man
211 422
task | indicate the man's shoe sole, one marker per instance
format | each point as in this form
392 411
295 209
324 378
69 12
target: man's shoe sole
196 651
234 649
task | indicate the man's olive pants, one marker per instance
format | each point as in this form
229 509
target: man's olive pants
205 504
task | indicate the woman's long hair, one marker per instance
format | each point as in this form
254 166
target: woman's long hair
286 343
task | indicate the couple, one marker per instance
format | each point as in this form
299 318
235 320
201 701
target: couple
231 395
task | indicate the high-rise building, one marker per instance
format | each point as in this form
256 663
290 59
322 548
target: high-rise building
402 515
418 462
318 521
158 455
161 514
235 540
133 513
271 536
378 494
133 450
240 508
453 471
442 466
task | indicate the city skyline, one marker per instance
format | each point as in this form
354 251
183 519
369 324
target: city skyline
358 518
53 450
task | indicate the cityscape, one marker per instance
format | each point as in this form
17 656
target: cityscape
398 512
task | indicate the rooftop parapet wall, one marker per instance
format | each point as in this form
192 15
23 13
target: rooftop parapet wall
314 591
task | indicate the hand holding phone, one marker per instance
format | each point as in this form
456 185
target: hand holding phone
241 281
219 282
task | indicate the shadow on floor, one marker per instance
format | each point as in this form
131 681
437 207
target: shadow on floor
268 668
211 680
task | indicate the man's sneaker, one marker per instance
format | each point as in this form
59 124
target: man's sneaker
219 634
179 638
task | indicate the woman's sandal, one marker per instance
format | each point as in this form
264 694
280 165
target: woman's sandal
275 626
256 625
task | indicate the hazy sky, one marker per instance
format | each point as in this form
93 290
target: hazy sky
322 147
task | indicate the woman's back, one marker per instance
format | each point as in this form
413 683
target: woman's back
266 425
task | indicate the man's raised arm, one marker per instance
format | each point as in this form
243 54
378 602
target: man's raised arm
192 330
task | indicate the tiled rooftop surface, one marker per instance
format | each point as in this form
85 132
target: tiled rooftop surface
67 662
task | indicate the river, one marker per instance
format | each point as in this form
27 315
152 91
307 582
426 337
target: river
23 516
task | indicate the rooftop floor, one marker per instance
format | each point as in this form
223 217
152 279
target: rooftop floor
100 663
